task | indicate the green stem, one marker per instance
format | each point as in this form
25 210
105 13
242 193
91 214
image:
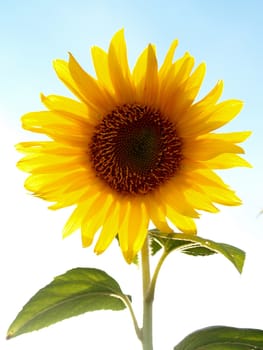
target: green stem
147 343
155 275
126 300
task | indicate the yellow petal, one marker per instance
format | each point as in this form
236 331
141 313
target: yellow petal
204 149
148 87
206 177
109 229
187 92
139 69
227 161
39 121
234 137
173 196
137 229
94 217
75 220
51 164
213 187
64 201
183 68
199 200
223 196
66 198
95 97
47 147
214 117
133 230
224 112
76 111
170 85
157 212
100 62
183 223
124 223
68 182
168 59
58 126
212 97
63 73
119 69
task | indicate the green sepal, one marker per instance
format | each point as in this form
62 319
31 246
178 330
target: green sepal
77 291
223 338
195 245
154 243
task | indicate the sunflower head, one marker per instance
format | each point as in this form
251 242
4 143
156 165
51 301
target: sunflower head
133 147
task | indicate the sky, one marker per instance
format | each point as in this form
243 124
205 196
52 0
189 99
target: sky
192 292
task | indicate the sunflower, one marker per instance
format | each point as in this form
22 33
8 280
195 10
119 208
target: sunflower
133 148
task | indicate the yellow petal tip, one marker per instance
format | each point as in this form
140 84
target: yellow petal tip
86 241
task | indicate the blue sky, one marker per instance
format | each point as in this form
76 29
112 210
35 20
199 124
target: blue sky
227 35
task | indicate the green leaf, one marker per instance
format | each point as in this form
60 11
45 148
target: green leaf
154 245
195 245
223 338
71 294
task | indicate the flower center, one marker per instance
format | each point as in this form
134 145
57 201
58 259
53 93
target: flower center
134 149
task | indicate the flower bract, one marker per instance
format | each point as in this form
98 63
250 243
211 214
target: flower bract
133 147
